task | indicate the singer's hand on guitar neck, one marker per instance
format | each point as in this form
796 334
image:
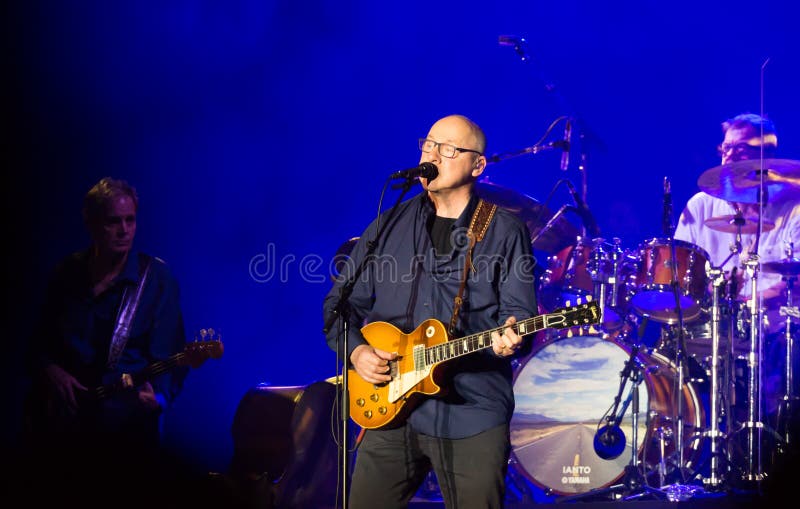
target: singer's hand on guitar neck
507 344
372 364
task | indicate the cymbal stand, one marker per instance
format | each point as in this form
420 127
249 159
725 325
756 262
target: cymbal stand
788 405
717 277
754 425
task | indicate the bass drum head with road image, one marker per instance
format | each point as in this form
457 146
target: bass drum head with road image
565 388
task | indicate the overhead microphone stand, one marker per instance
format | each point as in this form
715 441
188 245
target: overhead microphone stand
342 312
754 468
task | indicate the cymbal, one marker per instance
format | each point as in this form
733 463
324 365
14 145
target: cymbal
732 223
739 181
533 213
785 267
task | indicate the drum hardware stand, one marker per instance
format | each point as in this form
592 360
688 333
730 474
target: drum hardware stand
597 271
788 406
754 426
680 357
613 280
603 276
716 477
634 478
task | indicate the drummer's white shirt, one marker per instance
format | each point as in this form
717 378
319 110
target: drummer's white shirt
783 210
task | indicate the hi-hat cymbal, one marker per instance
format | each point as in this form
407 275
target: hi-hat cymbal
739 181
732 224
534 213
786 267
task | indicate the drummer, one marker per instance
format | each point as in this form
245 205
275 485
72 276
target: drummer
780 237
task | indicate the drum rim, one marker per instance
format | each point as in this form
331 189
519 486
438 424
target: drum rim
660 241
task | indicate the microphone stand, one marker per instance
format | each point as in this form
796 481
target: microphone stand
342 313
680 350
633 479
535 149
551 222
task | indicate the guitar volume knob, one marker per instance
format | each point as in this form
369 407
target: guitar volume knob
382 410
374 397
360 402
368 414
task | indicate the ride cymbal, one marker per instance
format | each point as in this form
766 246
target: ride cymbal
737 224
739 181
560 235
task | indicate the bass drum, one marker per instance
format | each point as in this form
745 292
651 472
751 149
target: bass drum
566 387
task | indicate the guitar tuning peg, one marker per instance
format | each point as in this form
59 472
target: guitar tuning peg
589 298
211 334
567 304
203 333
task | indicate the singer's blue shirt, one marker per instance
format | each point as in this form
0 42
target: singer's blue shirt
406 283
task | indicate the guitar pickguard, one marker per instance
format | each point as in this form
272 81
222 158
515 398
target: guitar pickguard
404 378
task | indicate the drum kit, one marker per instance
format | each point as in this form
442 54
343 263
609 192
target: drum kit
695 383
699 417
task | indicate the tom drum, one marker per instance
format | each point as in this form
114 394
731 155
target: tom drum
653 293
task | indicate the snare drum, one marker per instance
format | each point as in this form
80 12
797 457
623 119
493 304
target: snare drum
652 292
566 386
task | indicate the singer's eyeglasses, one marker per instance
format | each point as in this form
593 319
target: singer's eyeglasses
736 148
445 149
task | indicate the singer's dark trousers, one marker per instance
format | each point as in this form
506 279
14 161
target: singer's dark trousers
392 464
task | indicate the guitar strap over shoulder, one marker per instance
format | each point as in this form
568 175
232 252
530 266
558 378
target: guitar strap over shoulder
127 311
478 225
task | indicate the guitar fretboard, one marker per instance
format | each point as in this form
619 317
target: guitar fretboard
474 342
153 370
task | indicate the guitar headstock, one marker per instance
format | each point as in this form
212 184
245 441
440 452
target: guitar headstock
582 313
206 345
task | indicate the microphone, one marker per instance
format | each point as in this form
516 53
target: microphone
510 40
609 442
424 170
566 145
666 218
583 211
517 42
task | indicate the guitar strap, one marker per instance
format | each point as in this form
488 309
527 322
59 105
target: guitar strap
127 311
478 225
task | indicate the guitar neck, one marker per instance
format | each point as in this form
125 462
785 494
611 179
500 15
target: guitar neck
140 377
157 368
482 340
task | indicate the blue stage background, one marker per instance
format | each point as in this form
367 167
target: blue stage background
259 135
